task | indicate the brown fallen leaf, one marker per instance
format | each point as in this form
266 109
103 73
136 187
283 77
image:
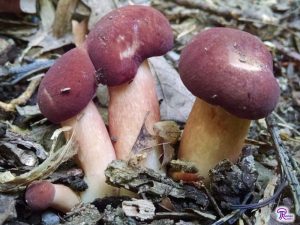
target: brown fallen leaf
168 130
176 100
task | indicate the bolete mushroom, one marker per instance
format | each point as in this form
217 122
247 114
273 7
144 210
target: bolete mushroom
118 46
65 96
43 194
231 73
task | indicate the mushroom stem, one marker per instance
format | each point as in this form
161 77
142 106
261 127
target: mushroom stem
211 134
131 105
95 151
41 195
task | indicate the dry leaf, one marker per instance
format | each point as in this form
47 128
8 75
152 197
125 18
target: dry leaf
168 130
169 154
144 141
47 14
176 100
262 216
98 9
28 6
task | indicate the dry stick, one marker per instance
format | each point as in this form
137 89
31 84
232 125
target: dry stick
23 98
231 218
210 196
285 161
63 15
221 11
287 51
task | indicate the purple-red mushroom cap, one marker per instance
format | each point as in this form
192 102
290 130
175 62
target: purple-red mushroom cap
124 38
232 69
68 86
39 195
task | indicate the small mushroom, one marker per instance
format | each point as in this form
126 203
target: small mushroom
231 74
65 96
41 195
119 46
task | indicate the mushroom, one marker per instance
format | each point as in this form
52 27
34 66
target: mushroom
65 96
41 195
118 46
231 74
18 6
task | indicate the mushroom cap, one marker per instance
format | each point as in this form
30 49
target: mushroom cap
39 195
68 86
232 69
124 38
12 6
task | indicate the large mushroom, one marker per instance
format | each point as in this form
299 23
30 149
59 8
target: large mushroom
231 73
65 96
118 46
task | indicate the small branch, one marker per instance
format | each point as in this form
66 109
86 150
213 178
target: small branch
286 51
211 198
225 11
23 98
234 215
264 202
285 161
181 215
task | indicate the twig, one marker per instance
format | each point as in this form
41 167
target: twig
223 11
23 98
285 124
231 218
246 219
262 203
285 161
287 51
180 215
211 198
18 73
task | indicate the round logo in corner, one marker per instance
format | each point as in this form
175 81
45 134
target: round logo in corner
283 215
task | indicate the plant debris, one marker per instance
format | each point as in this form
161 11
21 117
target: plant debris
156 186
230 183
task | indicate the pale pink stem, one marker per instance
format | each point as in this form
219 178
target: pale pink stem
95 151
131 105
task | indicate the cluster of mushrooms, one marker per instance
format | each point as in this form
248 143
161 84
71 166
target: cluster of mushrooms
229 71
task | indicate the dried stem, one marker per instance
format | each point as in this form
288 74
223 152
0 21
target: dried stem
23 98
223 11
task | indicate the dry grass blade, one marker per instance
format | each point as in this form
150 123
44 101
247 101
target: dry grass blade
23 98
11 183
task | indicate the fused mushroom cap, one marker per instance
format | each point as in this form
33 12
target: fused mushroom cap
68 86
39 195
232 69
124 38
